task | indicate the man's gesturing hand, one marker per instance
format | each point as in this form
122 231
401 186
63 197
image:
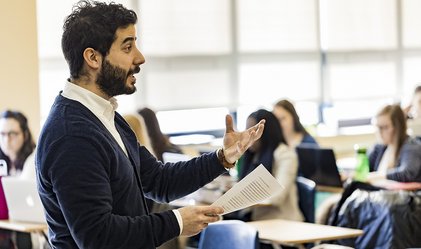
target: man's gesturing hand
236 143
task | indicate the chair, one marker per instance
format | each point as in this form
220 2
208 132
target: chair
233 234
307 196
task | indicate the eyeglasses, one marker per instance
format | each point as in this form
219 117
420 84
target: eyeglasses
10 134
383 127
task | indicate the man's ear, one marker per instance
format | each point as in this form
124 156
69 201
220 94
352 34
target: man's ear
92 58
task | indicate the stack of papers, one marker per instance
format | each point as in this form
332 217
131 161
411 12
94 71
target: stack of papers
256 187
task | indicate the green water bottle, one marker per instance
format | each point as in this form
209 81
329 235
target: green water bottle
362 168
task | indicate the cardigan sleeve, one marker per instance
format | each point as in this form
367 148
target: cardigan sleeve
177 179
78 170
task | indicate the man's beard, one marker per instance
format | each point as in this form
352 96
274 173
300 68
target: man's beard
112 79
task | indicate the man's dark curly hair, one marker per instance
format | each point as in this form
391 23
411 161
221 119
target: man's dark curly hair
92 25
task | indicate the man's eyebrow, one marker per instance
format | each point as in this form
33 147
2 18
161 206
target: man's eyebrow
129 39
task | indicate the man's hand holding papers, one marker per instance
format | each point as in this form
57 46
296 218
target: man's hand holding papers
253 189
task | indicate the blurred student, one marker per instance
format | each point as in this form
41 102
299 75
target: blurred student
294 132
413 112
137 123
272 151
16 142
16 153
396 157
160 142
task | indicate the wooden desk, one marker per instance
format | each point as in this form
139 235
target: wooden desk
40 228
294 232
23 227
329 189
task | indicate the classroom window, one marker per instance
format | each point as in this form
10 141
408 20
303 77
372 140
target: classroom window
329 57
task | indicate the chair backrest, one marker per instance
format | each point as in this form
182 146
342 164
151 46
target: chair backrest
307 196
233 234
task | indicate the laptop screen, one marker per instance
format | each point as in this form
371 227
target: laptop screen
23 200
319 165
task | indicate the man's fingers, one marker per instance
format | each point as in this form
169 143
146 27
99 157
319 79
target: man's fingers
195 218
229 124
241 141
210 219
259 127
213 210
210 211
210 214
253 134
257 130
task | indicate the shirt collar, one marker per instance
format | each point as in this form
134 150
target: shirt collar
95 103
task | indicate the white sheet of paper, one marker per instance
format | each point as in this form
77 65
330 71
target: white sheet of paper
256 187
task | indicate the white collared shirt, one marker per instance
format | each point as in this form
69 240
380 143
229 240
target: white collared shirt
103 109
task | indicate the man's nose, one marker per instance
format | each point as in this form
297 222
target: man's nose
140 59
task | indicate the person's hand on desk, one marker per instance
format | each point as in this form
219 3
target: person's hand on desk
236 143
196 218
345 176
374 177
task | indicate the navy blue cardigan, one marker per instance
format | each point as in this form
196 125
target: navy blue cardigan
93 194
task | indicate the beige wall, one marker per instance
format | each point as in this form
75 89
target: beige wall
19 86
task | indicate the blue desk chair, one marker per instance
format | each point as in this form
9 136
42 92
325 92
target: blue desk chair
233 234
307 197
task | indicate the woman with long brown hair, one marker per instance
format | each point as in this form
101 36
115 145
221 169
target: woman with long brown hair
397 156
294 132
160 142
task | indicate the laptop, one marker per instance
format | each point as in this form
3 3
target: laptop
319 165
23 200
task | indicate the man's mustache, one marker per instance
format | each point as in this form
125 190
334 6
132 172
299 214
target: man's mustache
134 71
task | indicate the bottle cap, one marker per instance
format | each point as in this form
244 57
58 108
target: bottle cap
360 149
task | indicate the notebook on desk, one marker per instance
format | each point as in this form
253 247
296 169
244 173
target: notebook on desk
319 165
23 200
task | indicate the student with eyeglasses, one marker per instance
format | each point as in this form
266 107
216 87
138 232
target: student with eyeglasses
397 156
16 153
16 142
